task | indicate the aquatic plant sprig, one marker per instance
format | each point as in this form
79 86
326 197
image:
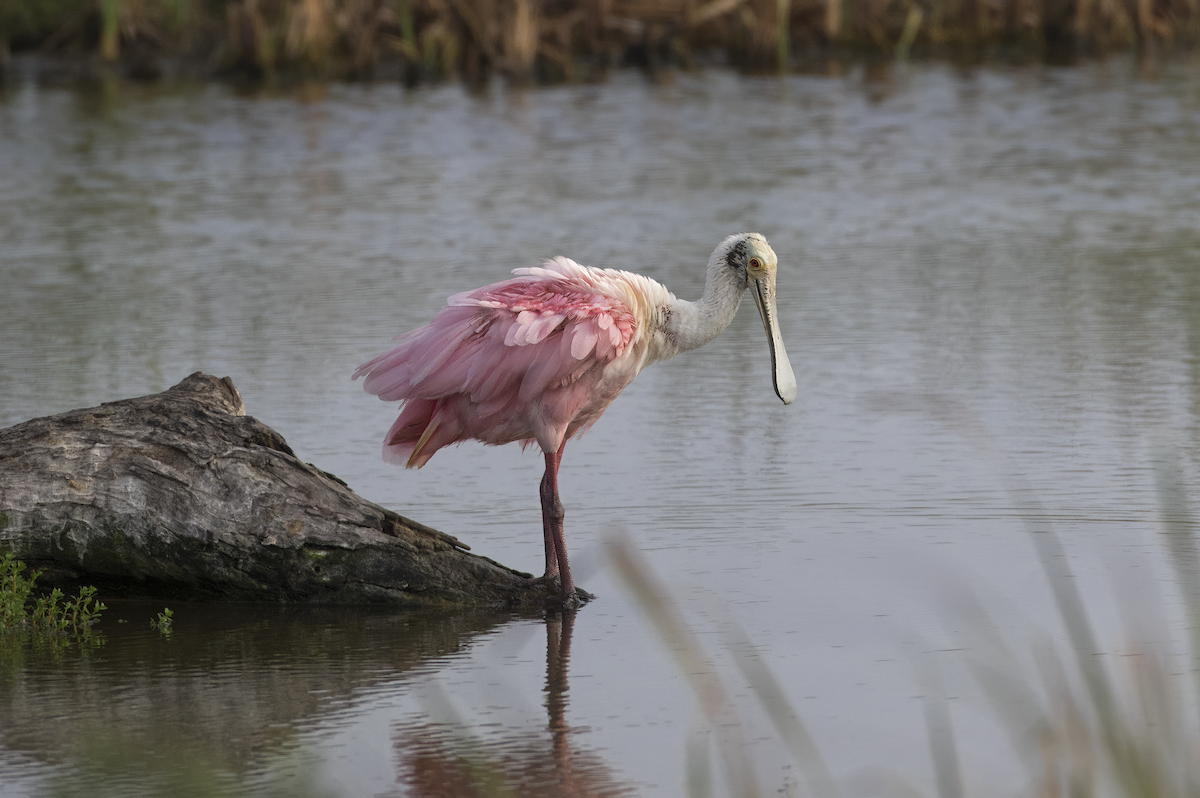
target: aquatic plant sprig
84 610
50 614
163 622
14 592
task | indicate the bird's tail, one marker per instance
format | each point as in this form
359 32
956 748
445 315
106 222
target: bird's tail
423 427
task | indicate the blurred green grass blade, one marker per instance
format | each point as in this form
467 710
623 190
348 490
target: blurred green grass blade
782 712
698 764
912 25
714 700
1179 529
942 746
999 673
1048 546
462 751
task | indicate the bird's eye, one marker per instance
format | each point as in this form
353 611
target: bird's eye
755 263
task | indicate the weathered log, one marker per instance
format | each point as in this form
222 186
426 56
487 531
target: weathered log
181 495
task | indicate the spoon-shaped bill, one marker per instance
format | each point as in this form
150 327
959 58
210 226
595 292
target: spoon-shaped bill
781 368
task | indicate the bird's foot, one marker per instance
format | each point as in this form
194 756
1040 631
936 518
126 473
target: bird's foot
577 599
555 598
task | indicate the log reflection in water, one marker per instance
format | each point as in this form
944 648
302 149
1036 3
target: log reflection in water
234 686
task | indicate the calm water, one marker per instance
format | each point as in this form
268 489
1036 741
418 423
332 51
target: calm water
990 292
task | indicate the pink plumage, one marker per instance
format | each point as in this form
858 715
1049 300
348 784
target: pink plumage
536 358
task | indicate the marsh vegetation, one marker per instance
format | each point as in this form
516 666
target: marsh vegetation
35 618
564 40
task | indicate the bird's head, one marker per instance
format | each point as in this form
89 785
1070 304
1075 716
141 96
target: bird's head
751 265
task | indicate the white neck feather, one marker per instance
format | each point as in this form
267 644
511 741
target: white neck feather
693 324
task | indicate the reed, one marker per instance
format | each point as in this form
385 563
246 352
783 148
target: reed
1082 727
555 40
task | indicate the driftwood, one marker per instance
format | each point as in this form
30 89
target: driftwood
180 495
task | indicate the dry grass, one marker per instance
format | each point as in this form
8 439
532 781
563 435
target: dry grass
554 40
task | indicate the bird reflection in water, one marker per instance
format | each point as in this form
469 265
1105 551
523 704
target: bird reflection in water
440 760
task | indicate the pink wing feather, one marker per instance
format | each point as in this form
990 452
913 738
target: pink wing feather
530 359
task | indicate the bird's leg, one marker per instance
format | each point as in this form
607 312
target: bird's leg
552 525
548 527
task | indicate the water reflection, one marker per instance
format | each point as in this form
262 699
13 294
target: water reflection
235 692
230 683
446 761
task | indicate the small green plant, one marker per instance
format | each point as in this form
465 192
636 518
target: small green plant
84 610
14 592
163 622
50 614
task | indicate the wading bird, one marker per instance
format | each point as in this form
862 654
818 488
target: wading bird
539 357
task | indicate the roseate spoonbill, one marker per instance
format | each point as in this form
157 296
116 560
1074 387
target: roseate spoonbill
539 357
